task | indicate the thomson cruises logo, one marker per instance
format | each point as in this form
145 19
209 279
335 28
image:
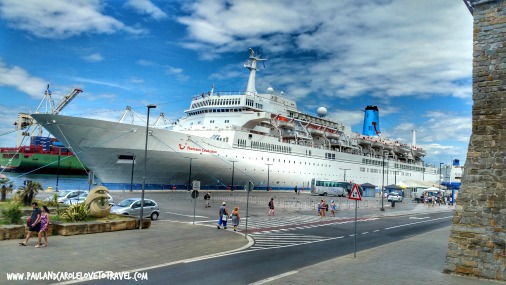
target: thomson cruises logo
182 147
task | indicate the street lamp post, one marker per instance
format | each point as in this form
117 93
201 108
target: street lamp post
190 174
233 168
441 163
145 165
58 169
268 175
383 185
344 178
395 176
132 176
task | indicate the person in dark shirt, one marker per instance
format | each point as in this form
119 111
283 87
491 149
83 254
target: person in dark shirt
34 225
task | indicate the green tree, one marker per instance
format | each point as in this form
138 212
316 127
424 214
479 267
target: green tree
6 187
28 192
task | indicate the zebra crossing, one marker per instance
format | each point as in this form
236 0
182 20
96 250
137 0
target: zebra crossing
266 240
295 222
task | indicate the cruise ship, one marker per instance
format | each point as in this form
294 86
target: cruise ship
229 138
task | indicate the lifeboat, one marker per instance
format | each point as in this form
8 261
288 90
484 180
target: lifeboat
285 122
363 141
418 152
378 144
316 132
332 134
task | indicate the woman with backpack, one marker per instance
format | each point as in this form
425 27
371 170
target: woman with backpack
271 207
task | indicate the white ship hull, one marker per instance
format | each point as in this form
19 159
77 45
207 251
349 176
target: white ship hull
226 140
99 144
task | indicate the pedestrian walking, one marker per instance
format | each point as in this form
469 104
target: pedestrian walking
207 198
271 207
295 189
332 208
235 218
44 225
33 223
323 208
223 216
319 209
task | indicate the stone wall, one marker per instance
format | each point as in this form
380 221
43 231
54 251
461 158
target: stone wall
478 234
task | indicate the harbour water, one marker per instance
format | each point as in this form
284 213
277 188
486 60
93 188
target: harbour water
65 182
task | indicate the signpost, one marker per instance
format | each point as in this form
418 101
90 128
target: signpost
195 194
355 195
248 187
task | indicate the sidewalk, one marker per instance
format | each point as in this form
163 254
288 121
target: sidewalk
417 260
163 243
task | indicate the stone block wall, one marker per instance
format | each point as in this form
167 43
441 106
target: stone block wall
477 243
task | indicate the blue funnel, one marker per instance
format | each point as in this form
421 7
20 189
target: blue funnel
456 162
371 121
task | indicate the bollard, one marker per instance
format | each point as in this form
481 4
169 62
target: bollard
393 204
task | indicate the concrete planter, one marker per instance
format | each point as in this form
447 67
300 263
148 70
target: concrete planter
70 229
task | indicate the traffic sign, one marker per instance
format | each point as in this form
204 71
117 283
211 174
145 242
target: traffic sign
196 185
249 186
195 194
354 193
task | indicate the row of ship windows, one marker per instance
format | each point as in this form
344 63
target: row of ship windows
221 110
270 147
396 165
216 102
387 172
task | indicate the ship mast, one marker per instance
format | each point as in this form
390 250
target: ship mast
251 64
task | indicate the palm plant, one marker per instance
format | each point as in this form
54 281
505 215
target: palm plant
28 192
6 187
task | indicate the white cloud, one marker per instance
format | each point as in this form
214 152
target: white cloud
147 7
60 18
381 48
95 57
177 72
20 79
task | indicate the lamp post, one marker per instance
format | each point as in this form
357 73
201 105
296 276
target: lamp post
132 176
395 177
145 165
233 168
344 179
190 174
268 174
58 169
441 163
383 184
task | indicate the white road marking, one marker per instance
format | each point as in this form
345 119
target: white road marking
416 218
177 214
275 277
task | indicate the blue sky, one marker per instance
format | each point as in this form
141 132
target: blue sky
413 59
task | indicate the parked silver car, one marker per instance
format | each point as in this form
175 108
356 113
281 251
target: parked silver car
132 207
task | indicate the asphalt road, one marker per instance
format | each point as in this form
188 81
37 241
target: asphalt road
284 248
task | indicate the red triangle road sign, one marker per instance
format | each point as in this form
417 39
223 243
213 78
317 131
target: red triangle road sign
354 193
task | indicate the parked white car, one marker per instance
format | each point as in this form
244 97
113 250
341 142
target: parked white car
394 197
82 197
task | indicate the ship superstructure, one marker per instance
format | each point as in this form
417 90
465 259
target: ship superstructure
229 138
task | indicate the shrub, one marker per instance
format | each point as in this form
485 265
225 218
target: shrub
77 213
6 187
11 212
28 192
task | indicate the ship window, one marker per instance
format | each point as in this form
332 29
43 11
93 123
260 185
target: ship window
212 121
227 121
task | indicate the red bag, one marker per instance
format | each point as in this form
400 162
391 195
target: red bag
29 222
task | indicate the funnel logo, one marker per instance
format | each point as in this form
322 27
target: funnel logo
182 147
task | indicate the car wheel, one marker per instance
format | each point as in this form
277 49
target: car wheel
154 216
